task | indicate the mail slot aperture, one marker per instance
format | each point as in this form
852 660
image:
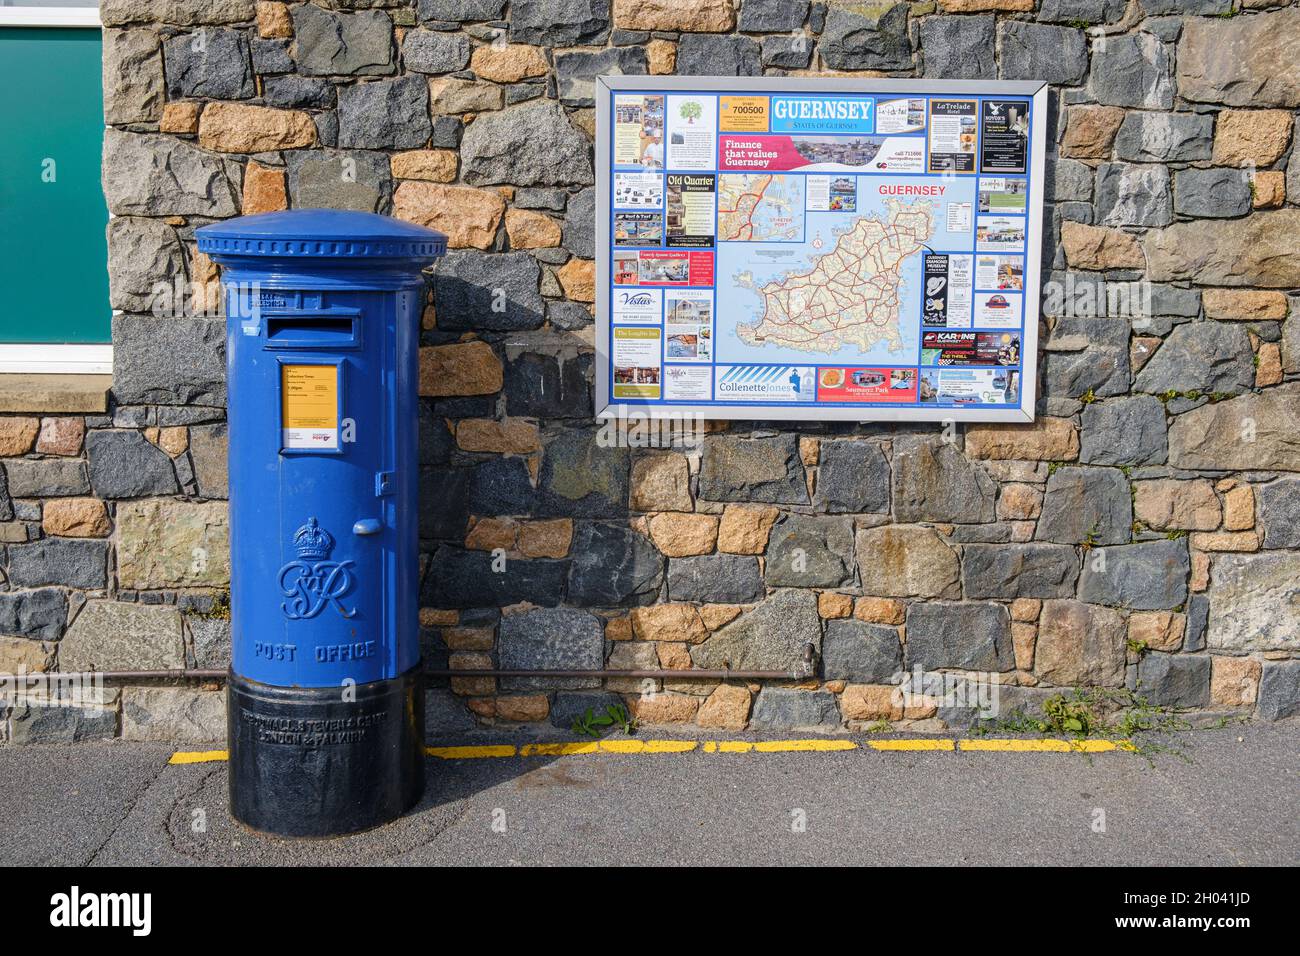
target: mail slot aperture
312 331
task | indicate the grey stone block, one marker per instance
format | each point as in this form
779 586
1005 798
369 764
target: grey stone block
173 714
786 52
271 56
548 385
70 562
1130 194
568 316
1086 504
1212 193
169 361
501 486
211 641
466 579
212 63
1279 690
557 23
775 635
1134 71
860 652
581 479
853 477
1146 137
1124 431
40 615
576 71
553 200
959 47
772 16
735 468
810 552
1148 576
1087 11
783 708
967 635
1073 181
298 92
46 477
614 566
429 51
208 450
1097 361
1198 616
133 66
720 578
65 724
1255 602
325 179
1279 512
532 144
124 464
145 174
333 43
498 291
710 54
866 38
551 639
385 114
145 258
934 481
112 635
1175 680
1035 51
1009 571
1200 356
579 235
1153 8
446 11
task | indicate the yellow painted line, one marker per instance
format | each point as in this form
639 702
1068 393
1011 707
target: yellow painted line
648 746
815 745
199 756
922 743
810 745
471 753
1044 745
558 750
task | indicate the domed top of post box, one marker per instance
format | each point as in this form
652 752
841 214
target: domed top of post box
322 235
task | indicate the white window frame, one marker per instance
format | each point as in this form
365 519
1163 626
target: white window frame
49 17
40 357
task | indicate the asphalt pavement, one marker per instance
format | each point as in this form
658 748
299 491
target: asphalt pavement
1227 796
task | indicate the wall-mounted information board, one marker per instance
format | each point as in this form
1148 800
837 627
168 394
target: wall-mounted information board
790 248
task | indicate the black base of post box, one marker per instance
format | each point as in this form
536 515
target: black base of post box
310 762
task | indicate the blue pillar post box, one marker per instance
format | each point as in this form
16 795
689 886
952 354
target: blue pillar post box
325 697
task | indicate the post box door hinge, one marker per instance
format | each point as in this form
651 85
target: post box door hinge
385 483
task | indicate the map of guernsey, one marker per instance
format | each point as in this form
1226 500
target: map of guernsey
851 294
760 208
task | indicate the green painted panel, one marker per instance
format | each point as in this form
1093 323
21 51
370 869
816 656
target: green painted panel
53 255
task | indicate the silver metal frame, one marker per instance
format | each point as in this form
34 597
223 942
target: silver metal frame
1034 89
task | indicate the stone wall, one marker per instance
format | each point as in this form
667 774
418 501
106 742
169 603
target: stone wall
1142 532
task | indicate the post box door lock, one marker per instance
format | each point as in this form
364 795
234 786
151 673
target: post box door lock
385 483
367 526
